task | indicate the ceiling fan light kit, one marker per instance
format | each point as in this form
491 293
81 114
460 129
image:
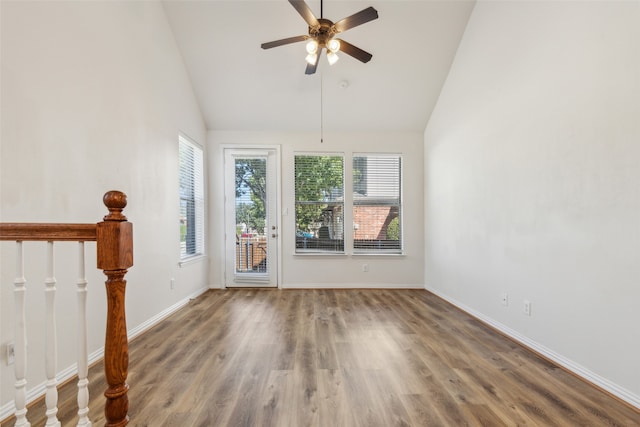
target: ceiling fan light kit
332 58
333 45
312 46
311 59
321 35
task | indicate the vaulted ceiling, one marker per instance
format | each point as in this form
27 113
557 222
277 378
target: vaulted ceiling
240 86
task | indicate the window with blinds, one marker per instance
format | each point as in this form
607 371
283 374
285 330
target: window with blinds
319 203
191 198
377 203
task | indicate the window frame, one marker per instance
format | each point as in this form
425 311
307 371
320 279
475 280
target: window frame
358 187
306 245
195 201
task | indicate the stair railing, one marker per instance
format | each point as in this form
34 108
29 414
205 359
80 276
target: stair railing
114 245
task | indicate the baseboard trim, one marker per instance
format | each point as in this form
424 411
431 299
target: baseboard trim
351 286
572 367
143 327
7 410
338 286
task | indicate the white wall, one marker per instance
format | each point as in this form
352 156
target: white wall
93 97
532 181
321 270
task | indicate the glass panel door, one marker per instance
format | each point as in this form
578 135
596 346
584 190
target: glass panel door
251 226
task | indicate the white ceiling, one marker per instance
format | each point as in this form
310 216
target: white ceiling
240 86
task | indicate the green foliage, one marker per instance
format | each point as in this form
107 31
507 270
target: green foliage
318 179
183 233
251 214
393 229
251 178
251 175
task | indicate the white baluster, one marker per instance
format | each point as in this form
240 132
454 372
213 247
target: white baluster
51 397
83 362
20 341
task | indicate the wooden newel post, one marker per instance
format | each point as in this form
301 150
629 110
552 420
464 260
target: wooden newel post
115 256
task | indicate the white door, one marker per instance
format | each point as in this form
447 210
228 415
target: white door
251 218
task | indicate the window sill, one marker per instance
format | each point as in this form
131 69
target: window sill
322 254
389 254
191 260
344 254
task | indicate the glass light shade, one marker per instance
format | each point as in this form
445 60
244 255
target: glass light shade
312 58
332 58
333 45
312 46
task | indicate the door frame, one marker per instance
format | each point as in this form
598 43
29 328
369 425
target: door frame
253 149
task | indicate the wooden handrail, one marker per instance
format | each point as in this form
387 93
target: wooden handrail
23 232
114 247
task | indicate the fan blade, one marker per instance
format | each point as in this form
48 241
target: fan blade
281 42
311 69
305 12
362 17
354 51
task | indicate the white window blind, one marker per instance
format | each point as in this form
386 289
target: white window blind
377 203
319 203
191 198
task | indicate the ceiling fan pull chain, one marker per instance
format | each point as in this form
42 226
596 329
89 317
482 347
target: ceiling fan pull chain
321 112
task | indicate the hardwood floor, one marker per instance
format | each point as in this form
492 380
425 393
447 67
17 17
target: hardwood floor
294 358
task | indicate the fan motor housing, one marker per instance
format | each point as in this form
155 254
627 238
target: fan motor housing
323 32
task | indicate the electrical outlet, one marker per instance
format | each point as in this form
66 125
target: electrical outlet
11 353
527 307
505 298
172 283
365 267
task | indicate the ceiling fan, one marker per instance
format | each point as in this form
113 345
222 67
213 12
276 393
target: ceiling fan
321 35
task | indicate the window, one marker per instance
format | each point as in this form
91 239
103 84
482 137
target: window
377 226
319 203
191 198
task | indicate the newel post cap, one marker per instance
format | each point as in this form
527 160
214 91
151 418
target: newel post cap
115 201
114 235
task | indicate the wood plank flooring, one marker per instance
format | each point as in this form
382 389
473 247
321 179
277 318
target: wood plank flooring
295 358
